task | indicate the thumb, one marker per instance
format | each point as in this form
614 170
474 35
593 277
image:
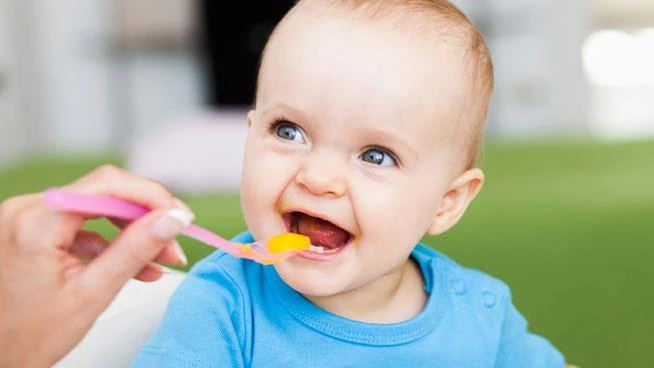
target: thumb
135 247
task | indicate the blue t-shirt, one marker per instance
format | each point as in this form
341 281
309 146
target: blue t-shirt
231 312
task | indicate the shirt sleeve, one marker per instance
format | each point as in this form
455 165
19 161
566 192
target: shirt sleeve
520 348
203 325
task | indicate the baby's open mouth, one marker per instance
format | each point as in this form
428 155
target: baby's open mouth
323 234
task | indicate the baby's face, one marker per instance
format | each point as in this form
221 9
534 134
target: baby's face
353 142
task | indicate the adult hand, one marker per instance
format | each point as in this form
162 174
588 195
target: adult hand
56 279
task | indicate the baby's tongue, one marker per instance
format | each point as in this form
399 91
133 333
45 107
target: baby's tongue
321 232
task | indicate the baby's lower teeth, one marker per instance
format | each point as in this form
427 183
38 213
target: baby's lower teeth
317 249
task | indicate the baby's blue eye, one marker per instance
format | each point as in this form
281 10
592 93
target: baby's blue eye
289 132
379 157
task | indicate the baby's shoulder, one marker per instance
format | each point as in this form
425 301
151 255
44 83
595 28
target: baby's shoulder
477 310
473 304
487 289
468 285
219 267
218 279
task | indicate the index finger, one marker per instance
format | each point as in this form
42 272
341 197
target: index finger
113 181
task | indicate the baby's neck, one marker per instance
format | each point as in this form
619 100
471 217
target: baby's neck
393 298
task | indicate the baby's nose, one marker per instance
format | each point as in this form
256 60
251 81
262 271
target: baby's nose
321 173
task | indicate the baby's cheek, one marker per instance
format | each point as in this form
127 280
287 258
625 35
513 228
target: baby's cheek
397 219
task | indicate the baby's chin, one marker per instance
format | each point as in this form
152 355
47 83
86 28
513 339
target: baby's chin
308 282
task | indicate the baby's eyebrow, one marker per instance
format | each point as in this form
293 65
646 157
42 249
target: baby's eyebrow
278 107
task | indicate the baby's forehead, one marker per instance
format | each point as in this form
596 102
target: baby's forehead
422 18
443 53
362 64
432 32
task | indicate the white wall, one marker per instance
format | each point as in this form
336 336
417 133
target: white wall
74 97
14 128
158 88
94 96
540 87
622 112
618 64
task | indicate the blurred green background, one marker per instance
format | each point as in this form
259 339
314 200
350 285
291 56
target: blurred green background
568 225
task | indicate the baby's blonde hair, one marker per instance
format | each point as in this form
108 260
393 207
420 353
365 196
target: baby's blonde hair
444 18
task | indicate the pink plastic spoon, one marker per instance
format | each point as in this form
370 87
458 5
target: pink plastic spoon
116 208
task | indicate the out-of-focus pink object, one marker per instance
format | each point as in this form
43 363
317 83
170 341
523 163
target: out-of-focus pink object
106 206
199 153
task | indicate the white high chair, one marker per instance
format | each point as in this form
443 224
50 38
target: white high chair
125 325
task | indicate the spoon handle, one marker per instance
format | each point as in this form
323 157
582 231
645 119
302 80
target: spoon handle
106 206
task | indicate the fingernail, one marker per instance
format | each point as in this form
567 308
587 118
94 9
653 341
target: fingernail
165 270
179 252
183 206
171 224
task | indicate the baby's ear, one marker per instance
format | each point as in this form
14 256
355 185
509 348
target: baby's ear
250 118
456 200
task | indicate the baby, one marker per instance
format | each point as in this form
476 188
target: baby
367 125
